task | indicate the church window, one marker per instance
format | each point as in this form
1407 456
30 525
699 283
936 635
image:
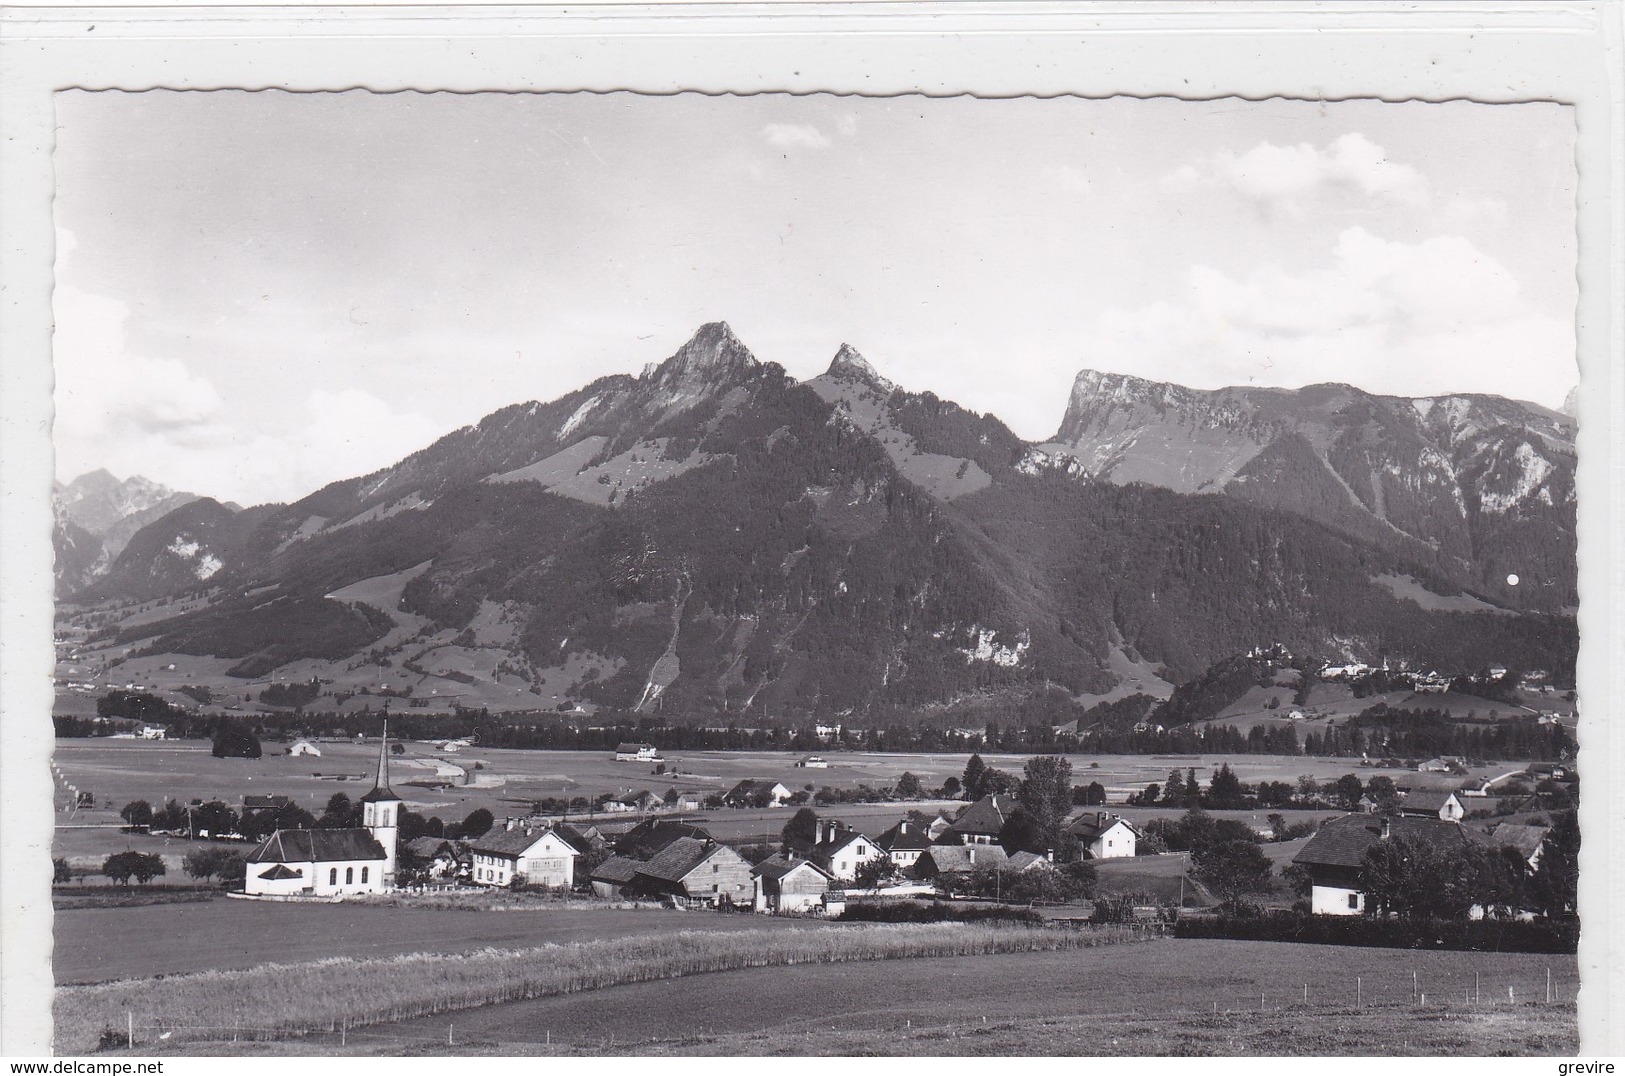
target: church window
363 875
349 875
333 876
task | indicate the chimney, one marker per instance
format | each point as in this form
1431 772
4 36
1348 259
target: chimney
970 852
1049 854
510 823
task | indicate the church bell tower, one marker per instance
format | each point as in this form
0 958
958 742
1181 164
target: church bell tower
381 811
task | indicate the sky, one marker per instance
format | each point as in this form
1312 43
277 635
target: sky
261 292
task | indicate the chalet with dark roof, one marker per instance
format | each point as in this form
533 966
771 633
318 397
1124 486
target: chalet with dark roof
1333 856
905 843
696 871
611 878
1425 803
942 861
981 822
1530 841
538 856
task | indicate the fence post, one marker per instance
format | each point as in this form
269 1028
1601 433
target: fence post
129 1022
1548 986
1306 993
1359 991
1477 997
451 1038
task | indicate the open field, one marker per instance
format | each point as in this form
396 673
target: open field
99 944
118 771
1203 998
285 1000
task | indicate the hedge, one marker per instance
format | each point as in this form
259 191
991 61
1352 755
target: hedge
1485 935
935 912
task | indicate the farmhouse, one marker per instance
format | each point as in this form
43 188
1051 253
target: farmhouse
304 747
1333 855
841 850
704 872
952 859
790 885
905 842
1445 764
981 822
1106 836
586 840
636 752
540 857
688 801
756 794
1530 841
1441 805
813 762
328 862
1026 861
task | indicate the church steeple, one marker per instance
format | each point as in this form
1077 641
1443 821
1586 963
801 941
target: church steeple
380 810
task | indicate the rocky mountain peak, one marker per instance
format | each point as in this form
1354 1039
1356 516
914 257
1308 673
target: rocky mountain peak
849 365
710 354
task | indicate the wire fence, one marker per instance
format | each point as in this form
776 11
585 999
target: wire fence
1436 992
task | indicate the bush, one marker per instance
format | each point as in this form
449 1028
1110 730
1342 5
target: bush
1484 935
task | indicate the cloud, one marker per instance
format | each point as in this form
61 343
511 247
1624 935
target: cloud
1064 177
788 135
139 414
1291 176
1426 318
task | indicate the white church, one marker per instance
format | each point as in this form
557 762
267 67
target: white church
333 862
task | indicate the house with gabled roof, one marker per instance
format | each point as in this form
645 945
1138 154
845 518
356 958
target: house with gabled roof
841 850
905 843
611 878
1105 835
981 822
441 858
790 885
1530 841
637 752
941 861
1433 804
1334 855
538 856
749 793
1026 861
698 871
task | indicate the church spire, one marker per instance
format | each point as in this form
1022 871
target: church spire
380 787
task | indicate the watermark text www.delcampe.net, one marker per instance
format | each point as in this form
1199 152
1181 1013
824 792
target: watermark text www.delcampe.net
88 1068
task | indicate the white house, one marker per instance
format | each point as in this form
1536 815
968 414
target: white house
1106 836
813 762
153 732
541 856
1333 856
1441 805
790 885
841 850
637 752
304 747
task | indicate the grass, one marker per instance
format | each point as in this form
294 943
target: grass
64 897
1173 997
288 1000
100 944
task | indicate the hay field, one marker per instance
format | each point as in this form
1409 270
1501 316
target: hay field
1156 998
100 944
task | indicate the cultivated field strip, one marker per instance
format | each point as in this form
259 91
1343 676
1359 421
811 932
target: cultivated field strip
278 1000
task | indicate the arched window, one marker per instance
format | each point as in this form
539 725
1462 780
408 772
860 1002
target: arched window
333 876
363 875
349 876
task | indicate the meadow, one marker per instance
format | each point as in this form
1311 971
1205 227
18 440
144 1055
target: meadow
1163 997
102 944
283 1000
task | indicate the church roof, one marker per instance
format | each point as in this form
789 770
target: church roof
318 846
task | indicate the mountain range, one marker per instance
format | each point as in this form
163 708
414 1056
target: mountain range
714 537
